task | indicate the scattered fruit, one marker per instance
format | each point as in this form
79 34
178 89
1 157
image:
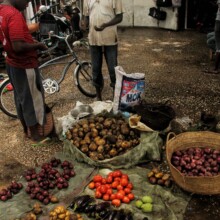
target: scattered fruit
49 177
148 207
155 176
138 203
147 199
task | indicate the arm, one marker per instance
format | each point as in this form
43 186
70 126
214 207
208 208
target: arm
22 46
116 20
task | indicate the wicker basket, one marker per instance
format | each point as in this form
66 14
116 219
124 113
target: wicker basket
48 126
198 185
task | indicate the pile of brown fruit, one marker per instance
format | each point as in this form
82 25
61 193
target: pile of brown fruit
11 190
155 176
102 137
54 174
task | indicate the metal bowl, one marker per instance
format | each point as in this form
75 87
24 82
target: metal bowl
81 111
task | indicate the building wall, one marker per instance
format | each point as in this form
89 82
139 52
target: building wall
136 15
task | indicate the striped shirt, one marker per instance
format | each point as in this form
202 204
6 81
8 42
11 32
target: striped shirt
13 27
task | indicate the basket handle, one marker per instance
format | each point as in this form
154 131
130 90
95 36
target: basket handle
169 136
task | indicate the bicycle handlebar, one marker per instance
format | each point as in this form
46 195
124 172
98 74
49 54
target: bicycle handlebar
44 9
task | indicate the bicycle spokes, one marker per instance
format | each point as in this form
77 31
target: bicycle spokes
50 86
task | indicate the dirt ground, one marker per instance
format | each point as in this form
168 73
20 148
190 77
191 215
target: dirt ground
172 63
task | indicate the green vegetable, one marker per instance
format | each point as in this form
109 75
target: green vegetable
148 207
147 199
138 203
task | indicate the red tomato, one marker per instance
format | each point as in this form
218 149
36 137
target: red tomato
126 199
127 190
125 176
115 184
92 185
130 185
97 184
110 174
106 197
117 173
116 202
109 179
109 186
117 179
103 189
112 196
98 195
97 178
124 182
119 196
104 181
109 191
98 188
120 187
121 192
131 196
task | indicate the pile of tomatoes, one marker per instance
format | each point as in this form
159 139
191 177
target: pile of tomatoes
116 188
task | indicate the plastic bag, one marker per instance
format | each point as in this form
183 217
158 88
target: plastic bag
129 90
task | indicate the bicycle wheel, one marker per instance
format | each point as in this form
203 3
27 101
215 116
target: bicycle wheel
83 74
7 103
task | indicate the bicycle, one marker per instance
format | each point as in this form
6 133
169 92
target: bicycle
82 76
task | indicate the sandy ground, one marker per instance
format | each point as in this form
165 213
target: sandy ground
172 63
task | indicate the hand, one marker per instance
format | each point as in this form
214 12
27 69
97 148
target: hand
42 46
100 28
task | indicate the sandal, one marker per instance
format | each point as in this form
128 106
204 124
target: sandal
42 142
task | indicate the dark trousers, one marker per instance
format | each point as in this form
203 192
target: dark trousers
110 54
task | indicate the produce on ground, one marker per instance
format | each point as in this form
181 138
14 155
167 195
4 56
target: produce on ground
10 191
102 137
54 174
155 176
87 204
145 204
116 187
197 161
61 213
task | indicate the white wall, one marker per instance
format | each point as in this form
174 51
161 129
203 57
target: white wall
136 14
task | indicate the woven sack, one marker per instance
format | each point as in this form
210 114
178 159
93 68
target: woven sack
48 127
204 185
155 115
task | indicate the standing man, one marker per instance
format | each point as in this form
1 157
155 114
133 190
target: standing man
103 17
22 66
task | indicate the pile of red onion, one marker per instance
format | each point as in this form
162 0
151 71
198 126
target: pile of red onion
197 161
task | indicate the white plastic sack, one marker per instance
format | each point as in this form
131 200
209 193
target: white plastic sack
129 90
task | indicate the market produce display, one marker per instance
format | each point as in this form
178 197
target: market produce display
197 161
61 213
10 191
155 176
116 188
102 137
145 204
54 174
101 210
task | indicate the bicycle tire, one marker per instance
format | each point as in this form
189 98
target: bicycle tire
83 74
7 103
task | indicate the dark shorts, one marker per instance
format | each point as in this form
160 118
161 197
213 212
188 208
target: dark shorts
28 94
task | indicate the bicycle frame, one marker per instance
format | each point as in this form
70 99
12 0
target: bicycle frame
55 60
